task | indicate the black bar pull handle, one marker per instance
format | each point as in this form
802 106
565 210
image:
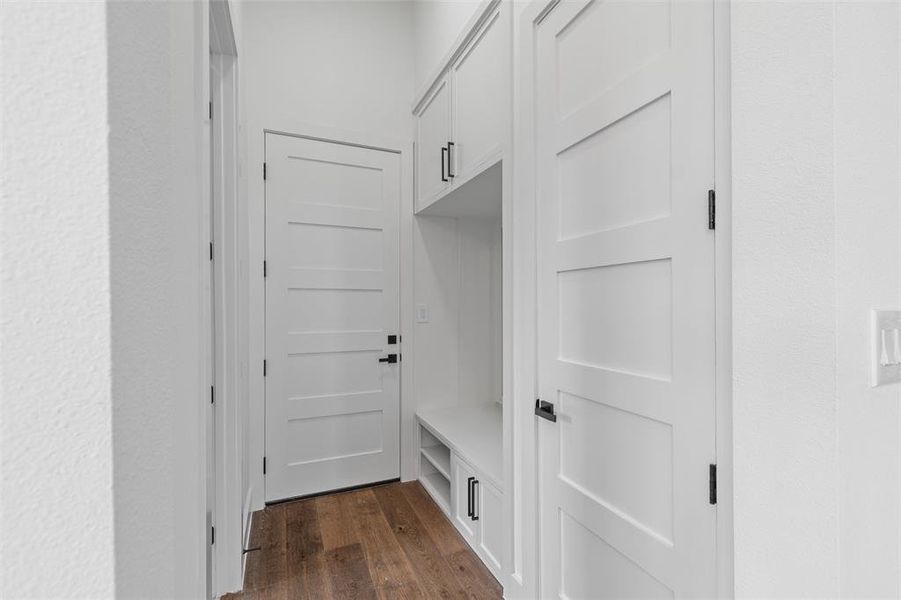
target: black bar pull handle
444 152
390 359
469 510
545 410
450 160
475 501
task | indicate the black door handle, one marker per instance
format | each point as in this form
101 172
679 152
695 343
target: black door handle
469 510
545 410
450 161
390 359
444 152
475 501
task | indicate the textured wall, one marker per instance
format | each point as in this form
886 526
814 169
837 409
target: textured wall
157 245
100 370
816 221
56 518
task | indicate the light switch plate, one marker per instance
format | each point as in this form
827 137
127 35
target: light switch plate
885 347
422 313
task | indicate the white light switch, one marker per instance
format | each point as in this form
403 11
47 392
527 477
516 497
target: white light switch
885 342
422 313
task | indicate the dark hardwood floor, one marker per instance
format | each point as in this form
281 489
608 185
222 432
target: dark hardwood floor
385 542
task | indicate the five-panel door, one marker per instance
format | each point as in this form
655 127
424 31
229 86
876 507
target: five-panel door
624 153
332 395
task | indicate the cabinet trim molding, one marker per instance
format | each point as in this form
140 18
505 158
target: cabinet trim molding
472 29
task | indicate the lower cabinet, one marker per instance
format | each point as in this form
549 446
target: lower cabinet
462 476
491 522
477 513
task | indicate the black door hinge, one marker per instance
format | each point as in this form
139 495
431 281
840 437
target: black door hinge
711 209
264 465
211 110
712 484
265 271
264 171
212 535
212 395
264 367
211 250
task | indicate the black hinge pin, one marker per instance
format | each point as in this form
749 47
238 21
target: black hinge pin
212 535
264 465
211 250
212 395
711 209
264 367
211 110
712 484
264 171
265 269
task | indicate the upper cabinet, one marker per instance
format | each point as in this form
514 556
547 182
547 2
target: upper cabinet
464 121
481 102
433 133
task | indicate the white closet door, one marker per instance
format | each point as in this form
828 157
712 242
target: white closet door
332 408
624 101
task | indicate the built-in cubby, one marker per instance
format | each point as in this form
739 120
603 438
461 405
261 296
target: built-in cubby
435 469
458 358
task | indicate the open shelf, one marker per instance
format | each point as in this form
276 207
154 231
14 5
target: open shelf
438 486
474 431
439 456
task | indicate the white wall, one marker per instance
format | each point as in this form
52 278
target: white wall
456 355
101 254
56 471
437 25
343 66
816 224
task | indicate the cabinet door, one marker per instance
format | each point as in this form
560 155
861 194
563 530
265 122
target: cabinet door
490 502
464 507
433 134
481 99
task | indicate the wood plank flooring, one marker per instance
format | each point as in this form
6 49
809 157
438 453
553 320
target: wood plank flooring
385 542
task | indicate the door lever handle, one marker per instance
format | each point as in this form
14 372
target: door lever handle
390 359
545 410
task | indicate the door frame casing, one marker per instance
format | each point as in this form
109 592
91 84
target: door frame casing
524 570
257 308
229 298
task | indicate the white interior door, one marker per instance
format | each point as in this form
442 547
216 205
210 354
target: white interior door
624 101
332 408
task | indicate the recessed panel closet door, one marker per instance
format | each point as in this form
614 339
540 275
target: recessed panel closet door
332 407
624 118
